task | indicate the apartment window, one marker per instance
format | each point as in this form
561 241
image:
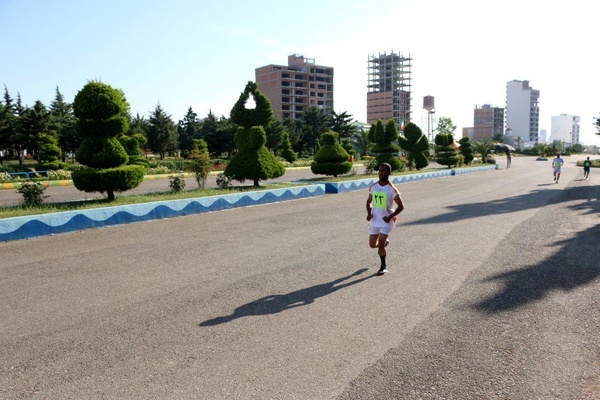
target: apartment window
285 99
284 75
299 108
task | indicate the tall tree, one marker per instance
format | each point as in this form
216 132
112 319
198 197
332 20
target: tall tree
314 123
62 125
34 124
342 124
209 132
161 132
188 129
226 130
445 126
274 133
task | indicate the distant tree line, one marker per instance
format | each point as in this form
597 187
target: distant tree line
30 129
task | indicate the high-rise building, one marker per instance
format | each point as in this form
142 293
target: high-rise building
522 111
389 88
292 89
565 128
488 122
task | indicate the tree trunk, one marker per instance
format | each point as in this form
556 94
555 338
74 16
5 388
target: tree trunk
110 194
256 183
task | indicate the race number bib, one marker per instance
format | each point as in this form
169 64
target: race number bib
380 200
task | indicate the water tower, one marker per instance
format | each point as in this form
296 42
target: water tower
429 106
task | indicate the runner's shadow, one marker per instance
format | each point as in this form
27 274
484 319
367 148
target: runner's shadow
280 302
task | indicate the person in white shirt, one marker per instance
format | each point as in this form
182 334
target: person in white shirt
382 213
556 164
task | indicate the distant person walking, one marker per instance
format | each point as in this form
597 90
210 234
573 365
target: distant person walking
382 213
557 163
586 168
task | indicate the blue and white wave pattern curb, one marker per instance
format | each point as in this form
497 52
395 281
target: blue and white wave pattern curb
341 187
69 221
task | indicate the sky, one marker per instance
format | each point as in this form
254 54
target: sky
199 54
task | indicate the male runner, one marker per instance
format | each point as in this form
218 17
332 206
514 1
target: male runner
586 168
556 164
381 212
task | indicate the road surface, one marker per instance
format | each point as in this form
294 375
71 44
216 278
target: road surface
493 293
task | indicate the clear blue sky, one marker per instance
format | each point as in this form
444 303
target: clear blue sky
183 53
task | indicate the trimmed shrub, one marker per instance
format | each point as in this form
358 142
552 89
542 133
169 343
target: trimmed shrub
445 153
253 160
100 111
416 146
118 179
331 158
466 149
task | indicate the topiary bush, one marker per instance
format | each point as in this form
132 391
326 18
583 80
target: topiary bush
466 150
100 110
253 160
383 143
331 158
445 153
416 146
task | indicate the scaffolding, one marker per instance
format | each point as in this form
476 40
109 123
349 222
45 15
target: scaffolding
389 78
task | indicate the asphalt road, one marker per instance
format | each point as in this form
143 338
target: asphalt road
493 293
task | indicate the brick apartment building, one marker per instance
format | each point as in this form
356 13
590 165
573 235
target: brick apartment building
295 87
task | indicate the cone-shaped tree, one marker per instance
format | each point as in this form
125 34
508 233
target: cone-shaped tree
253 160
445 153
100 110
383 143
466 150
287 152
416 145
331 158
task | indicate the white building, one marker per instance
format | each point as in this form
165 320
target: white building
522 111
565 128
543 137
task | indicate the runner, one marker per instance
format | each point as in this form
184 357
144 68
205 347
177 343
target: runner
381 214
557 163
586 168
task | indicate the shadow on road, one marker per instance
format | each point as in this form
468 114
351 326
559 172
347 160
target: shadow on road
533 199
280 302
573 264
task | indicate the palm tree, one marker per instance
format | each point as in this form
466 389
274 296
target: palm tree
360 139
483 147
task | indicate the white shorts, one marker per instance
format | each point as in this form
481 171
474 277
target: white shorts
376 230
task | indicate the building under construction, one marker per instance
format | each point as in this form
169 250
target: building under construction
389 88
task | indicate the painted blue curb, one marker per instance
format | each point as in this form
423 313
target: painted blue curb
69 221
341 187
348 186
474 169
